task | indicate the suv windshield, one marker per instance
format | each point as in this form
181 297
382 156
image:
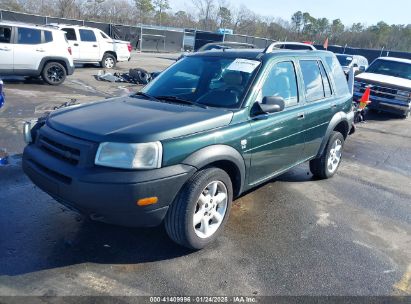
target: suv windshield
391 68
344 60
211 81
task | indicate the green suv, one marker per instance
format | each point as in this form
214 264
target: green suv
211 126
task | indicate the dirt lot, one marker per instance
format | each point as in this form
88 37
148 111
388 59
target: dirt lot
350 235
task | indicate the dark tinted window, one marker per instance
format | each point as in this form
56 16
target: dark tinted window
282 82
312 80
70 34
104 35
326 81
5 34
87 35
341 85
48 36
28 36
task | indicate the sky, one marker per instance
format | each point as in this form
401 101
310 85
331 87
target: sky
368 12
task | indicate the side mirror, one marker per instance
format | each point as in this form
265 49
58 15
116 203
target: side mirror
361 69
355 65
272 104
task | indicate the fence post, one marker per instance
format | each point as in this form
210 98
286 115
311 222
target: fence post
141 37
184 37
164 40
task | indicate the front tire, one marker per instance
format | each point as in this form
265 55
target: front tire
108 61
54 73
327 164
200 211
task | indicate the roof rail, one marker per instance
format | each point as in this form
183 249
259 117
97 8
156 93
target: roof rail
270 48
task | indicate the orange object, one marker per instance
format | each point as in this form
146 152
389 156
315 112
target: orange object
326 44
147 201
365 99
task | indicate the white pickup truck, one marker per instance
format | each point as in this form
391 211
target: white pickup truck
390 81
92 45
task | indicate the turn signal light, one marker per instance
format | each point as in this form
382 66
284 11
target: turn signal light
147 201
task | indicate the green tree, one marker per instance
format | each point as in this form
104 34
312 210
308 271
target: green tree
161 6
224 16
144 8
297 21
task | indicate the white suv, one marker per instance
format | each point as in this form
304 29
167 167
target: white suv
91 45
30 50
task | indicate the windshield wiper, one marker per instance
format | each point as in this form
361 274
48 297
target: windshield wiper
146 95
181 100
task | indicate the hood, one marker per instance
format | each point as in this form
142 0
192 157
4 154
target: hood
384 80
130 119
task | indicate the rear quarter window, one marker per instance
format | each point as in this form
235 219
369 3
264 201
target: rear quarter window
48 36
337 73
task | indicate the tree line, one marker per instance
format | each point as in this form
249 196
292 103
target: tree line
212 14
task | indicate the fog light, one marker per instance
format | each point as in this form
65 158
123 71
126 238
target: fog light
147 201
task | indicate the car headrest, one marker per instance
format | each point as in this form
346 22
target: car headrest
233 78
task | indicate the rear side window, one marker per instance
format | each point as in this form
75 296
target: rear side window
5 34
312 80
282 82
87 35
70 34
28 36
341 85
48 36
104 35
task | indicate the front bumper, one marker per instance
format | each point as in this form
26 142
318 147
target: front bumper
105 194
70 69
385 104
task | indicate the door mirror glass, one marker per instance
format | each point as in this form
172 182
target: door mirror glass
272 104
355 65
361 68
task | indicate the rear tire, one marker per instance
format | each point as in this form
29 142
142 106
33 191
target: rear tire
327 164
54 73
199 212
108 61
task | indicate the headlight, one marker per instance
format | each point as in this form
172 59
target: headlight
403 95
130 156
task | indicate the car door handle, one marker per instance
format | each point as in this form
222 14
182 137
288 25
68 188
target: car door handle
5 49
94 45
300 116
75 44
40 50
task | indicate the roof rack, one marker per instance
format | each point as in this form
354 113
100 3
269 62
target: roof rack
270 48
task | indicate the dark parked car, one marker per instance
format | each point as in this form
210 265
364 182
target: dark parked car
211 126
390 81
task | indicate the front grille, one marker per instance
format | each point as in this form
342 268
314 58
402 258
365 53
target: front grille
378 91
56 175
58 150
